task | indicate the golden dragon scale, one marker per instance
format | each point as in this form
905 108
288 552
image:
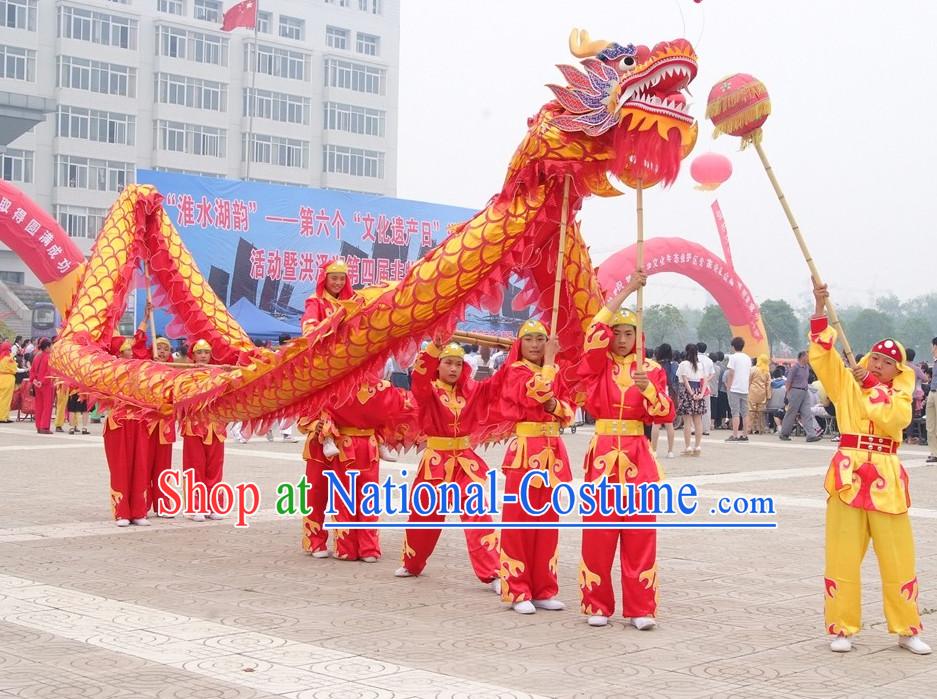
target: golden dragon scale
516 233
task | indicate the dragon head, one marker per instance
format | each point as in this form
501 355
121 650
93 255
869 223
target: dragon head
633 97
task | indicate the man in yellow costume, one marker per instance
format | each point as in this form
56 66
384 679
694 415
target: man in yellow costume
867 485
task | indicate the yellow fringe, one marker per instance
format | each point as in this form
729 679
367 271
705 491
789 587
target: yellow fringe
742 94
753 114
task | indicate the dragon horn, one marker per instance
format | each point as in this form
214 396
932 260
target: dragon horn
582 47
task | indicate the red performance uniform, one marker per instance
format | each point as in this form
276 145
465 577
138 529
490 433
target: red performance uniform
519 393
162 435
203 452
126 447
620 452
45 391
446 415
353 425
322 304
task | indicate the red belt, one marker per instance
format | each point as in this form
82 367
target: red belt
868 442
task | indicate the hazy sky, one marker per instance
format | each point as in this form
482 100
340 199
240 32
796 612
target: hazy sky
849 136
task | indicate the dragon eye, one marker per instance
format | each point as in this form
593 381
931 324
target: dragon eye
628 61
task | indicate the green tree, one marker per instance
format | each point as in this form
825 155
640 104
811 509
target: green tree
781 325
868 327
713 329
664 323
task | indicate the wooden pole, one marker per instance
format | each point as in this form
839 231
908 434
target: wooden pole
639 304
560 256
149 303
814 273
481 339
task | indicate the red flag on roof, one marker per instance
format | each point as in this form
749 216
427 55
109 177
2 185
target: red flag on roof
244 14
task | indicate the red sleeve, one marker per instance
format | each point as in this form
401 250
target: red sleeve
313 313
424 372
657 403
140 350
594 360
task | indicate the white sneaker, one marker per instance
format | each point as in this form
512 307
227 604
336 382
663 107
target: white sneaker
198 517
215 515
290 439
670 455
914 644
324 553
142 522
402 572
643 623
370 559
525 607
329 450
552 604
597 620
122 522
166 516
495 586
386 453
842 644
241 440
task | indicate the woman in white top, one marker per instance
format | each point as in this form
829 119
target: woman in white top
691 402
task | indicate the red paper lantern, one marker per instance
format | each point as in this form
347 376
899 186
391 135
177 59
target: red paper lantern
738 105
710 170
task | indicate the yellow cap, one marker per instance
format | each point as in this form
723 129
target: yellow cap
337 267
624 317
201 345
163 341
532 327
453 349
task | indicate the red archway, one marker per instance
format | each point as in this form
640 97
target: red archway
705 268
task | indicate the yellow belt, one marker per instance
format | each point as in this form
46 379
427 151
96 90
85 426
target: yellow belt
448 443
623 428
537 429
355 432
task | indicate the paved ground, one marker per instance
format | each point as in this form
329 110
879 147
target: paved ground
182 609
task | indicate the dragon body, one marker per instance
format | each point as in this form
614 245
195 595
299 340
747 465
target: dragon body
621 112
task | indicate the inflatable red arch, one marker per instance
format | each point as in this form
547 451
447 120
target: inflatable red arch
705 268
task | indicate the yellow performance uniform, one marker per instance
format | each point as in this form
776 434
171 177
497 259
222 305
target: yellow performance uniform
868 490
7 384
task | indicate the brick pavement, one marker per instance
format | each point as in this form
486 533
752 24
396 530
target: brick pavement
190 610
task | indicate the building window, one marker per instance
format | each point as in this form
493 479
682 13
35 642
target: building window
87 173
191 92
15 277
80 221
354 76
348 117
192 46
197 173
280 63
97 76
292 28
264 22
17 63
353 161
376 7
171 7
97 27
278 106
336 38
208 10
96 125
18 14
17 165
193 139
274 150
368 44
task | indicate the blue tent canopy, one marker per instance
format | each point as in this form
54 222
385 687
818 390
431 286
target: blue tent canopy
259 324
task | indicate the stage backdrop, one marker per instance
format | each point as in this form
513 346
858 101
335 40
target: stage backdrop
261 245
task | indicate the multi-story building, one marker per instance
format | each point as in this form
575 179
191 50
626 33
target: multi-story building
156 84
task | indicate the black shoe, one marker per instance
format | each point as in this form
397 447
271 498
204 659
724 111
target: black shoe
733 439
59 429
931 460
743 438
85 432
784 437
813 439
